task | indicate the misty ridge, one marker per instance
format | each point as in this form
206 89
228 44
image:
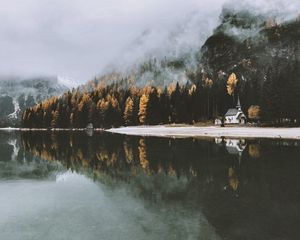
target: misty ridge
160 58
188 48
85 39
18 94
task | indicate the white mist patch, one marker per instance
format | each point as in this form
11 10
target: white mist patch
281 10
179 30
67 81
70 177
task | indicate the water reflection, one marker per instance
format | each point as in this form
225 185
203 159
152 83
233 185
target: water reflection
15 163
235 148
199 188
121 157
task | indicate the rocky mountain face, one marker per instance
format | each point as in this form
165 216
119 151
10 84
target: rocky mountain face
16 95
249 45
264 54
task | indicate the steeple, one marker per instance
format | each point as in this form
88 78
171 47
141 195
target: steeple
238 105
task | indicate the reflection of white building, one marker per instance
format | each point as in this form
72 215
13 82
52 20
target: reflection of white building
233 146
235 115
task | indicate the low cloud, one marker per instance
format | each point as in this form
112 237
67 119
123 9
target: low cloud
79 39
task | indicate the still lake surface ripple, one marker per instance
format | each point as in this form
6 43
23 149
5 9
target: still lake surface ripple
77 185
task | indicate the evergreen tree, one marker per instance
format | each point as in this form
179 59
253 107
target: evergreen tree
128 112
271 98
55 119
153 109
143 109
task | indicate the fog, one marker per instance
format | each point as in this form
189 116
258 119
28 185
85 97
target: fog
81 38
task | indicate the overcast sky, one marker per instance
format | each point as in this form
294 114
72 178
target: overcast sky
79 38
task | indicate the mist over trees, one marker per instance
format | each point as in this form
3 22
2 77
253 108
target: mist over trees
274 100
263 71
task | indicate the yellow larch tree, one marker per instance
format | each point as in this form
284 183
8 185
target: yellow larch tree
254 112
128 112
143 108
231 84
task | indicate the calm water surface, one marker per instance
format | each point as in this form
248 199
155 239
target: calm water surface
106 186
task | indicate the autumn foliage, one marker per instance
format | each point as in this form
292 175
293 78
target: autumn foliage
231 83
113 106
254 112
118 104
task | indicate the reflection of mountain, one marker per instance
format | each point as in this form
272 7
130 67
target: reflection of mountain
15 163
194 172
16 95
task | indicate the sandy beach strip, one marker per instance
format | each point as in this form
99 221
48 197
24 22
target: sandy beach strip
212 131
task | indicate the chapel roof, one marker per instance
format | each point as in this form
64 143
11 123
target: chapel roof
231 112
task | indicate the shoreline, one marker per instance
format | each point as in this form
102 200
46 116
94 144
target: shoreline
50 130
187 131
210 132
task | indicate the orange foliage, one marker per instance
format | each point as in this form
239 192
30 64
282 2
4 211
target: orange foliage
254 112
231 84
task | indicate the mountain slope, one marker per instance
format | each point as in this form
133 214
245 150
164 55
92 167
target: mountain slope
243 43
262 55
16 95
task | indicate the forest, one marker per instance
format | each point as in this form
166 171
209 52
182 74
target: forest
113 106
275 100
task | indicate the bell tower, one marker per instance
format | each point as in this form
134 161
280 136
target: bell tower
238 105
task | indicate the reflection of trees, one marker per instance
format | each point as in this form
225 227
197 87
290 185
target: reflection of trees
142 154
264 182
119 155
128 152
15 163
116 154
233 179
254 150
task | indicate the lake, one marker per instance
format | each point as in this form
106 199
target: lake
78 185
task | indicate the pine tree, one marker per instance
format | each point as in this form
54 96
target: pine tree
231 84
128 112
102 107
83 110
175 102
153 108
115 116
270 109
164 103
208 84
143 109
55 118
